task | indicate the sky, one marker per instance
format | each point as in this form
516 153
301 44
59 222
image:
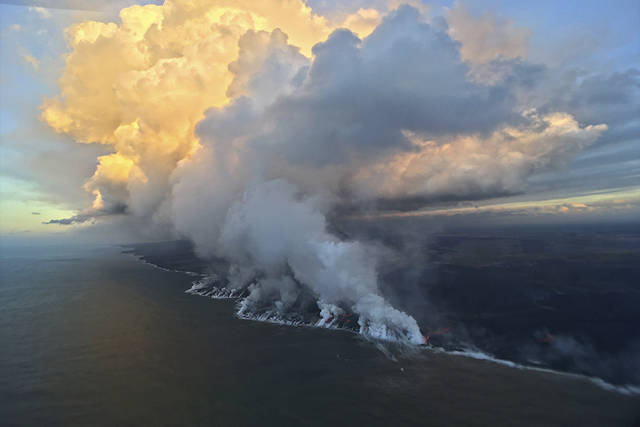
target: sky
149 120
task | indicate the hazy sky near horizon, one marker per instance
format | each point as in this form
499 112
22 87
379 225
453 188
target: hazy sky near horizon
564 76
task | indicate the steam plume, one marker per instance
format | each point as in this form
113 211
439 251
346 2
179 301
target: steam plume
241 124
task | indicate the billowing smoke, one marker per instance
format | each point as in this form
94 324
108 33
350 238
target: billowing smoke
241 125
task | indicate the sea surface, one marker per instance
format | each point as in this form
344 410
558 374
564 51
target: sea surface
95 337
561 297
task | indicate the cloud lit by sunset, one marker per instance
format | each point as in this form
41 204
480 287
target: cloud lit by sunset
373 101
393 204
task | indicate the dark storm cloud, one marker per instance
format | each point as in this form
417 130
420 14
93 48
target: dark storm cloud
89 216
401 93
76 219
360 95
612 98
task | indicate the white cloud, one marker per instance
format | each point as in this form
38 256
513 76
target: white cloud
487 37
41 11
31 60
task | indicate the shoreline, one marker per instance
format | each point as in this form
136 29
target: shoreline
626 389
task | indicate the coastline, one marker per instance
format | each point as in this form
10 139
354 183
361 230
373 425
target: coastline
626 389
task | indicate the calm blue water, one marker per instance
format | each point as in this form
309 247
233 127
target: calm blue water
91 336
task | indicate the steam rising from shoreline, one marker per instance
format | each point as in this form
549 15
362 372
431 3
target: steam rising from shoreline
241 125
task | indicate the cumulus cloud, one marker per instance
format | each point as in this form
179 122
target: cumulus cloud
612 97
123 83
31 60
363 21
41 11
487 37
360 95
267 66
470 165
241 125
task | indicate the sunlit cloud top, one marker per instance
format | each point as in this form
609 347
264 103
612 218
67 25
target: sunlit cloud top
371 105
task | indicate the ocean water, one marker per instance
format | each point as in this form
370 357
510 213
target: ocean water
92 336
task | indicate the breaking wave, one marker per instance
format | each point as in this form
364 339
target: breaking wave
321 314
142 259
626 389
207 286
